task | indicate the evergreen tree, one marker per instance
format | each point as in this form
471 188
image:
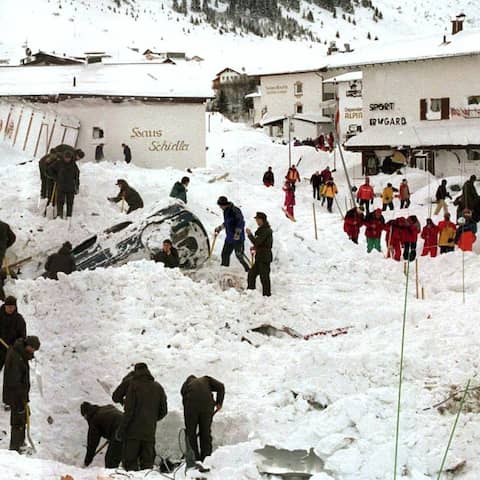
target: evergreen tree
222 103
310 16
195 6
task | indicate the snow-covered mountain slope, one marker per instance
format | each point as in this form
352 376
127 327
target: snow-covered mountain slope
95 325
76 26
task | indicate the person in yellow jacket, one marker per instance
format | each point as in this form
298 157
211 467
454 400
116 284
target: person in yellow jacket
387 196
329 190
447 230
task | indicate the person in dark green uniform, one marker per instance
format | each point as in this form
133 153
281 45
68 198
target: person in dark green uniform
129 195
262 242
179 189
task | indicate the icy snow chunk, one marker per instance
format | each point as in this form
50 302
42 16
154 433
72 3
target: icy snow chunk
345 461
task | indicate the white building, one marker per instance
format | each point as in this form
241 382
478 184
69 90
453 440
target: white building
348 87
421 99
294 97
227 75
158 110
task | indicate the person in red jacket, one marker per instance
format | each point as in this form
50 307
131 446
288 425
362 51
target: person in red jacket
352 223
394 236
375 224
289 202
365 195
409 238
430 237
331 142
404 194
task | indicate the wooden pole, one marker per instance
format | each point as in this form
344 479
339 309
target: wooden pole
423 293
315 220
18 127
463 276
28 130
416 278
51 135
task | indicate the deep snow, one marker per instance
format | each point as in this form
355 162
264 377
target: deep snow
95 325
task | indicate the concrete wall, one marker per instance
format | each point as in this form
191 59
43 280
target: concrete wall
159 134
278 94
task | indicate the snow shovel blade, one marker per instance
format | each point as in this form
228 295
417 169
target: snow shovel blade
105 387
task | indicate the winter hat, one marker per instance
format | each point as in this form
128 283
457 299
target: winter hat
261 215
140 366
222 201
121 181
11 301
86 409
404 180
33 342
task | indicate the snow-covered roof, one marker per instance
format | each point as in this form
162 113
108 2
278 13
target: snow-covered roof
272 119
451 135
411 49
346 77
256 94
130 80
313 117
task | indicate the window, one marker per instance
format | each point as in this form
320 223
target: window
473 154
97 132
474 100
298 88
298 108
435 109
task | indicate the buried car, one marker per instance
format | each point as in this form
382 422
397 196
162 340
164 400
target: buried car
129 241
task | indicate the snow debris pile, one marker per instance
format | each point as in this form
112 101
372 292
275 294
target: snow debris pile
312 391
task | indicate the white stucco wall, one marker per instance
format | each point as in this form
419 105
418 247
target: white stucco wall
350 108
278 94
158 134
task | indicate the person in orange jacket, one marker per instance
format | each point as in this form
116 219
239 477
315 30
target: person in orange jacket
365 195
466 231
404 194
430 237
447 231
292 175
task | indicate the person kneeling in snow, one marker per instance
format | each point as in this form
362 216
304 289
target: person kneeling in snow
352 223
466 231
129 195
179 190
430 237
168 255
262 242
62 261
375 224
16 387
103 422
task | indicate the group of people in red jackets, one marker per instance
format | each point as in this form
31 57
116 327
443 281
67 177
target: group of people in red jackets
402 233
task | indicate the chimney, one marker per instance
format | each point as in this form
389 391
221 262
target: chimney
457 23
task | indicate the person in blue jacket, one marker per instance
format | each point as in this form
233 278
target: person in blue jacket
234 226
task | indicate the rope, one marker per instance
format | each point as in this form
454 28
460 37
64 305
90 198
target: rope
402 350
453 430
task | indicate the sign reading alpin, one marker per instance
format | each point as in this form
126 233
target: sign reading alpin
159 145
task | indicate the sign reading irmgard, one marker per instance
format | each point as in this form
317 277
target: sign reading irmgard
159 145
387 120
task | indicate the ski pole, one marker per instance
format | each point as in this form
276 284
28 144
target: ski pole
315 221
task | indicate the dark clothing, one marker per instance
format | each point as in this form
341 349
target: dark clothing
138 455
365 204
12 327
445 249
262 241
7 239
239 248
442 193
99 153
18 422
409 251
118 396
405 203
131 196
329 204
198 407
316 182
104 422
46 181
127 153
66 175
268 178
234 224
179 191
145 405
63 261
63 197
170 261
3 276
389 205
470 195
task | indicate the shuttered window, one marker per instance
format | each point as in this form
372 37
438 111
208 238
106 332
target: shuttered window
445 108
423 109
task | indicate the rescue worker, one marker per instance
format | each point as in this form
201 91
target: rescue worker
179 189
387 197
103 422
353 222
269 178
409 238
234 226
470 195
441 196
262 243
199 407
466 231
145 405
404 194
375 224
47 182
127 153
129 195
329 190
12 327
16 387
7 239
168 255
62 261
394 237
293 176
447 231
365 195
289 201
430 237
316 183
